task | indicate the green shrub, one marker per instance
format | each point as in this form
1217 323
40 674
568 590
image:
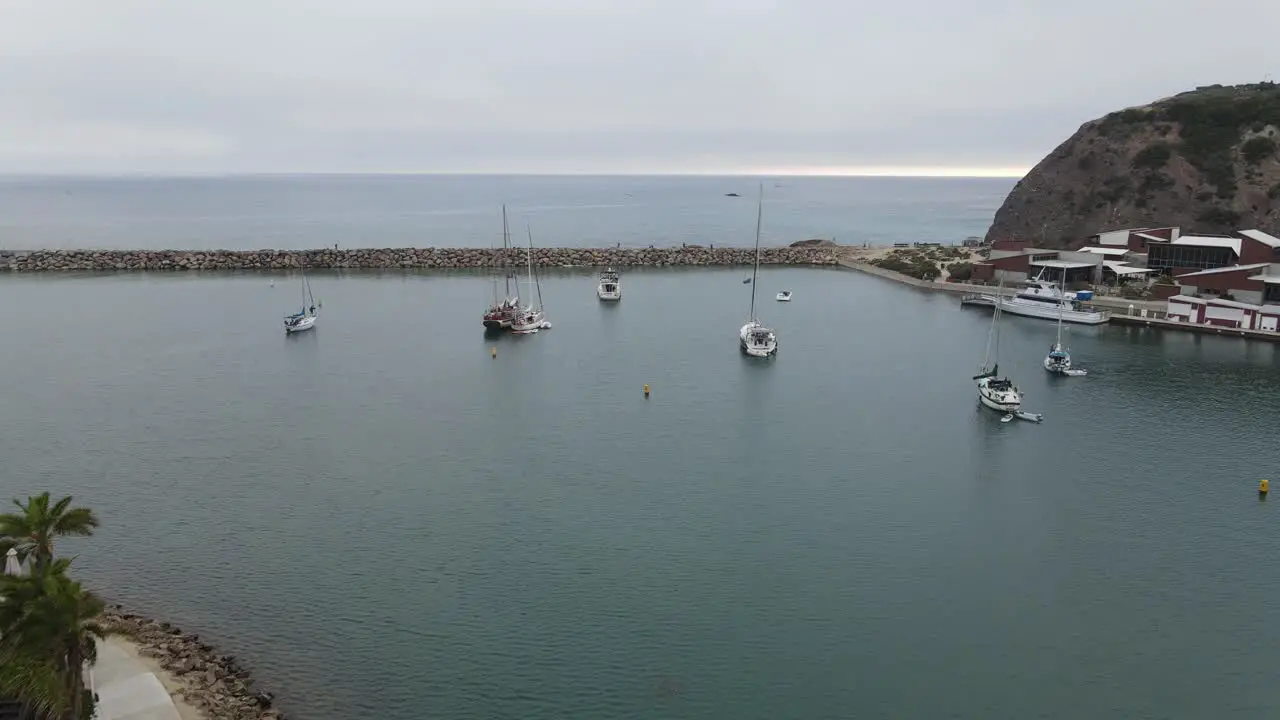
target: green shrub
909 263
1220 218
1256 149
1211 121
960 271
1153 156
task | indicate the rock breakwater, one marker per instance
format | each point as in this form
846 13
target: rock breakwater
383 258
213 682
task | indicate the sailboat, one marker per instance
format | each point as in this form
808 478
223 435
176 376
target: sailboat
530 319
503 309
995 392
304 319
1058 361
755 339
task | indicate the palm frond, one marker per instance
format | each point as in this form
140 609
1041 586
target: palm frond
76 521
34 683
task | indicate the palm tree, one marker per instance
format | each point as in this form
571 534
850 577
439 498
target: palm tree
33 530
49 628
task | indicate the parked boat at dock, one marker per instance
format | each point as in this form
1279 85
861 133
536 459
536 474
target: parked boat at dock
1043 299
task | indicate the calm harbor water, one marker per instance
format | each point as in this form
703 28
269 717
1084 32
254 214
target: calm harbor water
386 523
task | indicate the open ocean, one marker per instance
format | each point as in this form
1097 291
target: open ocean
294 212
384 522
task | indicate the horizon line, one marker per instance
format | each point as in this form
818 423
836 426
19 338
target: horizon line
878 172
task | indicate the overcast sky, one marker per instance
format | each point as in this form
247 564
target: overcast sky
226 86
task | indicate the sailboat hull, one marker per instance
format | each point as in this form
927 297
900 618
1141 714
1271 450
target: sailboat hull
530 321
757 341
1057 366
1005 401
758 352
303 325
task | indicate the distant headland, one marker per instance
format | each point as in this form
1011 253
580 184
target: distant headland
1207 160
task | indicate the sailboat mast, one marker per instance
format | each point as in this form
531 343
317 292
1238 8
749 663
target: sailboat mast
991 332
755 272
996 321
537 284
506 244
1060 301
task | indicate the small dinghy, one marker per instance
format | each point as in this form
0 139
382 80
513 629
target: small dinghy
1007 418
784 296
746 281
1074 372
1029 416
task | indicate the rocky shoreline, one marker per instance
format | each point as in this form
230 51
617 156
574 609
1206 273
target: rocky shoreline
214 683
428 258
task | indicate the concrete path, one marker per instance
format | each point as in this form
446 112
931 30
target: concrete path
129 687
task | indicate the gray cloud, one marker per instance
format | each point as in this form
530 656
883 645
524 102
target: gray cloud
591 85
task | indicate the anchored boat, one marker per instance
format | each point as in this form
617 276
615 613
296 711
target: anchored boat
610 286
755 339
304 319
530 318
503 309
995 392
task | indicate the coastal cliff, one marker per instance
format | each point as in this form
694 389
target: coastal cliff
382 258
1207 161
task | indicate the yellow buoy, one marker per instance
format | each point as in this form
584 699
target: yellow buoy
1263 487
646 389
493 352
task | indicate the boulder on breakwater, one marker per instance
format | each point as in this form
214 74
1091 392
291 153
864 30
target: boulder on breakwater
382 258
213 682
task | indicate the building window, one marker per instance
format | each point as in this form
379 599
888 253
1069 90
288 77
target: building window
1271 295
1166 257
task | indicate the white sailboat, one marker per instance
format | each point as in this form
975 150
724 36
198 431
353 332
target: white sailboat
304 319
995 392
500 312
530 319
610 286
755 339
1058 361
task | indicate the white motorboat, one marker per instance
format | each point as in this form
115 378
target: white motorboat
610 286
995 392
304 319
1058 361
1043 299
784 296
503 309
754 338
530 318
